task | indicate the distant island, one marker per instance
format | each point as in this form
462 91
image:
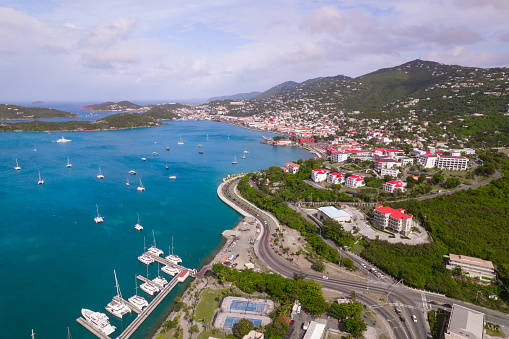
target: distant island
14 112
37 103
112 106
111 122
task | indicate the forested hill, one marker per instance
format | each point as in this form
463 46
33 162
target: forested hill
111 122
111 106
14 112
161 113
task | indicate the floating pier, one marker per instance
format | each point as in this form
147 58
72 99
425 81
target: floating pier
142 278
163 261
92 329
128 303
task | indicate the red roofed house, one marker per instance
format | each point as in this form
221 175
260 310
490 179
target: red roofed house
292 168
354 181
392 220
318 175
336 178
183 275
285 169
392 186
386 162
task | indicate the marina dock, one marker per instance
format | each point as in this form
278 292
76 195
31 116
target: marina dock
128 303
142 278
92 329
163 261
128 332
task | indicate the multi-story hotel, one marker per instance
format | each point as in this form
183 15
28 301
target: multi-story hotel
392 220
473 267
453 163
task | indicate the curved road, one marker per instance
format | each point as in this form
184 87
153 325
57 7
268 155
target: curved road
409 301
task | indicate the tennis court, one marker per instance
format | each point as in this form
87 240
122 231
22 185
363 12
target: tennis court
240 305
232 321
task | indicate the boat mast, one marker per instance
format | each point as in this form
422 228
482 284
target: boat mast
119 294
33 334
153 234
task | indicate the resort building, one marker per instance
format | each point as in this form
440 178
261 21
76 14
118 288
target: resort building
393 220
406 161
473 267
453 163
386 162
332 212
292 168
339 156
393 172
354 181
336 178
464 323
428 161
392 186
318 175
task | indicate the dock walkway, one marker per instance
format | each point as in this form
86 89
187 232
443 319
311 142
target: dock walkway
92 329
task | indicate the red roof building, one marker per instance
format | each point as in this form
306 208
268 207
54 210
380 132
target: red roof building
392 186
318 175
392 220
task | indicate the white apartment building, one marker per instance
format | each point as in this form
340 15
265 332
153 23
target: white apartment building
354 181
393 172
318 175
428 161
392 220
292 167
473 267
339 156
336 178
392 186
452 163
386 162
406 161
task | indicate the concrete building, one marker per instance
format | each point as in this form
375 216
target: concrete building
315 330
336 178
254 335
292 167
473 267
339 156
452 163
333 213
464 323
392 186
354 181
392 220
393 172
406 161
318 175
386 162
428 161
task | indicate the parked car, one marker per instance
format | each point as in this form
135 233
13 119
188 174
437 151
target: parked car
414 318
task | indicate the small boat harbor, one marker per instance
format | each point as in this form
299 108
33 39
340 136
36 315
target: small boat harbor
98 323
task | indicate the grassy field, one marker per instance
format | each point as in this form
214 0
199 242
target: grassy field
207 334
208 304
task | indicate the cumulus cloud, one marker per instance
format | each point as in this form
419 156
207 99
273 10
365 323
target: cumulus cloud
108 34
106 59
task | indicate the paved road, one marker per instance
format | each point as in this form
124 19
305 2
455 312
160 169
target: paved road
411 301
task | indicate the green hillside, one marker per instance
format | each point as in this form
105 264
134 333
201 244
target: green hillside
161 113
111 106
14 112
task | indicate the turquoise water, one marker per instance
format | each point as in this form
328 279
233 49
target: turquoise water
56 260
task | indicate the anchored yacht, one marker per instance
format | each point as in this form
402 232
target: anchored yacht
98 320
173 257
146 259
100 175
149 288
140 188
137 300
40 182
138 227
62 139
153 249
17 168
98 219
117 306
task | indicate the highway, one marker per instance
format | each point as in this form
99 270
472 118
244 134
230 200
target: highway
409 301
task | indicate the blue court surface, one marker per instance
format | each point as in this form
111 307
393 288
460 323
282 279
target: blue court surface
247 306
232 321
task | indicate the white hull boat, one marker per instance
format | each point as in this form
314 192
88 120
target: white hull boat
147 260
170 270
98 320
62 139
17 168
149 288
100 175
116 306
98 219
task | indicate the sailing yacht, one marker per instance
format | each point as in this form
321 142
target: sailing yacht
98 320
153 249
173 257
170 270
244 156
68 163
116 306
207 137
17 168
138 227
234 161
246 152
145 259
127 183
100 175
35 149
167 165
159 280
200 152
137 300
149 287
167 147
98 219
40 182
180 142
141 188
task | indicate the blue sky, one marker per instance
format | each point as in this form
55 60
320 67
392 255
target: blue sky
96 50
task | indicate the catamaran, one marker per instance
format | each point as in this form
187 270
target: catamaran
153 249
246 152
159 280
149 287
98 219
138 227
40 182
100 175
116 305
234 161
137 300
17 168
145 258
141 188
68 163
132 172
172 177
173 257
98 320
170 270
180 142
127 183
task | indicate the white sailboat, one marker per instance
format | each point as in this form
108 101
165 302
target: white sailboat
133 172
141 188
207 137
33 334
69 333
98 219
159 280
149 287
145 258
167 147
138 227
98 320
234 161
244 156
127 183
246 152
17 168
180 142
100 175
68 163
137 300
173 257
116 306
170 270
35 149
167 165
153 249
40 182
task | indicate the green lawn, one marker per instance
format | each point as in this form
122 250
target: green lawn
207 304
207 334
